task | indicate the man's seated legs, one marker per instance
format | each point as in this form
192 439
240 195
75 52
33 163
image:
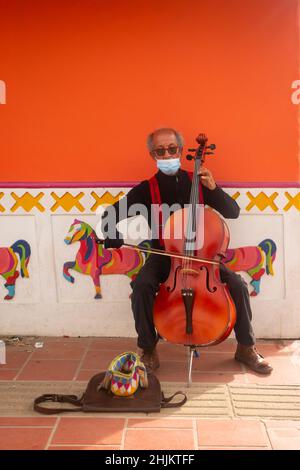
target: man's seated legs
246 351
145 286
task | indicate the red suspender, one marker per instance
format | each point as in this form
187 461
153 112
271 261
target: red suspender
156 199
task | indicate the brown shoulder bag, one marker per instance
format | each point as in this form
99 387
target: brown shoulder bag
97 399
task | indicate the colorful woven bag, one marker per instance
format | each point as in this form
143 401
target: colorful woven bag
124 375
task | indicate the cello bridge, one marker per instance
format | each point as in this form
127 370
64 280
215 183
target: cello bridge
190 271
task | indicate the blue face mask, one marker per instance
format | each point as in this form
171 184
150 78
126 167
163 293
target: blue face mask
169 166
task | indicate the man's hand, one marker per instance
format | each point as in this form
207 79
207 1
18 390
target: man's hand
207 178
110 242
113 242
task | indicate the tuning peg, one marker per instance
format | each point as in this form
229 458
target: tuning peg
208 153
192 150
189 157
211 147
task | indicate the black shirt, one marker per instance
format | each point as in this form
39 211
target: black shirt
173 189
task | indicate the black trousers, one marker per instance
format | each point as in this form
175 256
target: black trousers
145 286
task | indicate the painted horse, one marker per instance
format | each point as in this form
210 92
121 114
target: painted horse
252 259
9 263
93 259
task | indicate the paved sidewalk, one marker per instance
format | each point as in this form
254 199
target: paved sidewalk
228 406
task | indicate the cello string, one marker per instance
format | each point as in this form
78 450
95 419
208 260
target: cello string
194 219
194 209
191 219
191 216
188 232
189 229
192 228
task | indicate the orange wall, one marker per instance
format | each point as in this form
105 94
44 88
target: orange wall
88 80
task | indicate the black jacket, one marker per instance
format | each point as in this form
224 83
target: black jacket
173 189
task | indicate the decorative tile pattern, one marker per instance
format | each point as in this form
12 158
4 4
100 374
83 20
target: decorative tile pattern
1 207
67 202
294 201
236 195
105 200
262 201
254 200
27 202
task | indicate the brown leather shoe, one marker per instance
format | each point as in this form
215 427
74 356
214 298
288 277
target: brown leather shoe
249 355
150 360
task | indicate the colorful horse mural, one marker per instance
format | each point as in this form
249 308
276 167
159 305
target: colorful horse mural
93 259
9 264
251 259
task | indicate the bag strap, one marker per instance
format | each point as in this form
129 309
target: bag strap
73 399
165 402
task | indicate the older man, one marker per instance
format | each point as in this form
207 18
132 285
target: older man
174 185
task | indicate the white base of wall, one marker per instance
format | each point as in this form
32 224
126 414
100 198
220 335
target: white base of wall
47 304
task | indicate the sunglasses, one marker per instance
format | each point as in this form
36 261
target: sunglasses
160 152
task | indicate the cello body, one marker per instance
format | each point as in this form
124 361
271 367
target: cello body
193 307
212 311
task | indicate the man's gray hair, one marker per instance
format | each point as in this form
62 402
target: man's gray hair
179 138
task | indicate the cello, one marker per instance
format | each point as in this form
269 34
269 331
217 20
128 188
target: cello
193 307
